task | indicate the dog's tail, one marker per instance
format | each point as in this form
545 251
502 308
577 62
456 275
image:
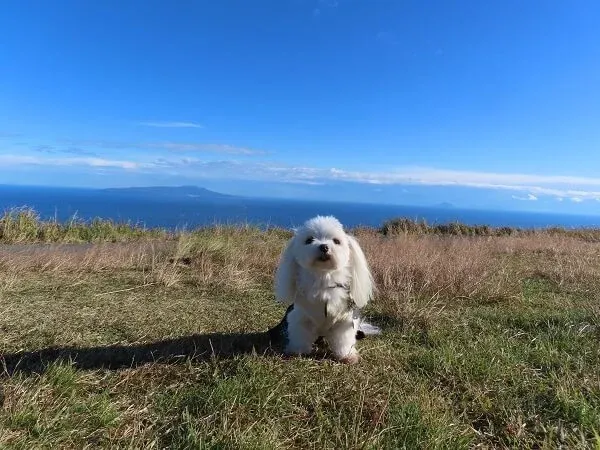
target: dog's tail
364 329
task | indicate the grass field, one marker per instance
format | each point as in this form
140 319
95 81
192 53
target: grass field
119 337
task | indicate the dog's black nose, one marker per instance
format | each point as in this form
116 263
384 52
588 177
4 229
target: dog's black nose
324 248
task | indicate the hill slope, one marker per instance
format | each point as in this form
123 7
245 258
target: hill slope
156 342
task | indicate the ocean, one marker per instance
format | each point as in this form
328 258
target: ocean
180 209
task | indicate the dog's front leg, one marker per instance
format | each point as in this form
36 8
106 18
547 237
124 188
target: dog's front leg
342 340
301 334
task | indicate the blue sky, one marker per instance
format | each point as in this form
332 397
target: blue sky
479 103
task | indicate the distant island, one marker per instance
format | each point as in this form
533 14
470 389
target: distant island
169 192
193 206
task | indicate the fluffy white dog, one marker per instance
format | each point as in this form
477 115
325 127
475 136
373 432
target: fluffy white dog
324 277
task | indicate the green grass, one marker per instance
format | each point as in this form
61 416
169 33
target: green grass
421 227
141 345
24 225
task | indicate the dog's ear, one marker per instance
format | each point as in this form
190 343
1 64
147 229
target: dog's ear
361 286
285 276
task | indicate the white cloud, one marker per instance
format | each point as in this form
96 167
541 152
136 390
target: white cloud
556 186
171 124
216 148
16 160
530 197
472 179
523 186
167 145
69 150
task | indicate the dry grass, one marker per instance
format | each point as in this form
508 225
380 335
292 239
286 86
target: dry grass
489 342
438 272
229 257
564 260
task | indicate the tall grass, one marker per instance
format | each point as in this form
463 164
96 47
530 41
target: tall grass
24 225
419 270
403 226
416 269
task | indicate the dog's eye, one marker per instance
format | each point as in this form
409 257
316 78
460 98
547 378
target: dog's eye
310 240
336 241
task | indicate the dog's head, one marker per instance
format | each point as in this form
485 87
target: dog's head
321 245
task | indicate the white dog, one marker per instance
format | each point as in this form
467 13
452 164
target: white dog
324 277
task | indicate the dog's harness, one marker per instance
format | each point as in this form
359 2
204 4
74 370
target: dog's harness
350 301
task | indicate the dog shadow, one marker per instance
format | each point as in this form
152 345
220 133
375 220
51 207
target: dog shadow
199 347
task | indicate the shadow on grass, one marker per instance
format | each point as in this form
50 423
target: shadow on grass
198 347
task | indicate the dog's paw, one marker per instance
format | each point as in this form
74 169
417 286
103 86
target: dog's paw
352 358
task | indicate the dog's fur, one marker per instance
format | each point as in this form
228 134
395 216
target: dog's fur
324 277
